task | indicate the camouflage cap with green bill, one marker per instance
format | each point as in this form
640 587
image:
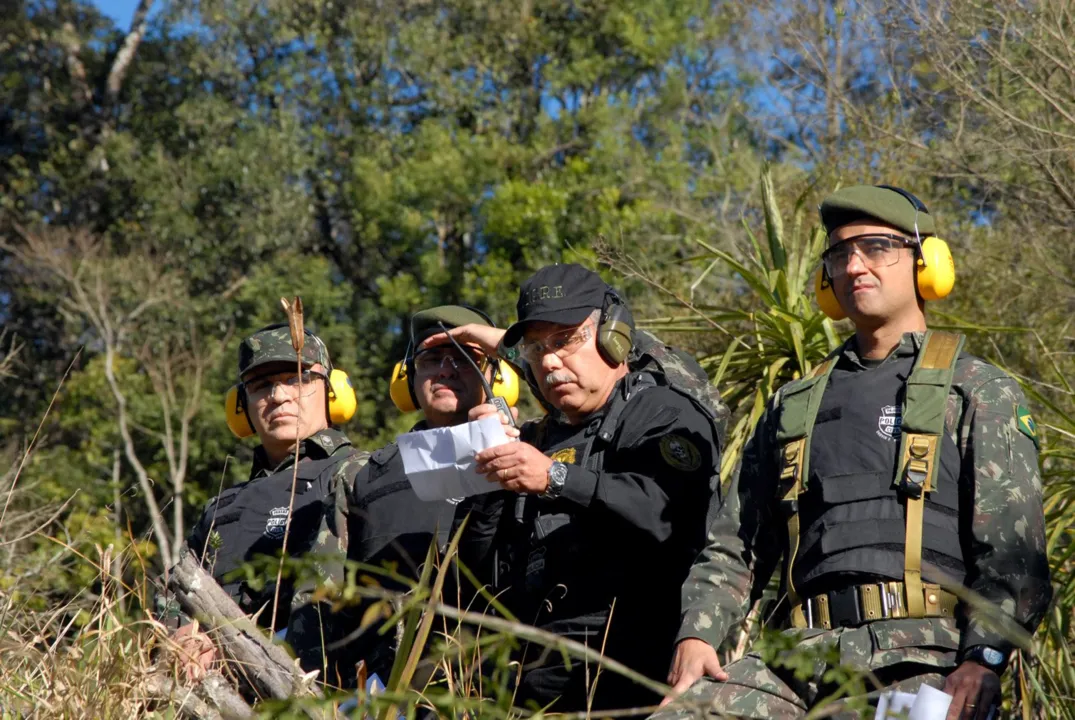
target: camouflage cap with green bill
272 344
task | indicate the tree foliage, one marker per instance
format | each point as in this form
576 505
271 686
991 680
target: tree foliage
162 187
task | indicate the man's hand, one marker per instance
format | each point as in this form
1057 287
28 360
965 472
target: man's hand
485 337
693 659
518 466
196 651
486 409
974 689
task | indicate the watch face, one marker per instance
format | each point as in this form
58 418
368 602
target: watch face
992 656
558 472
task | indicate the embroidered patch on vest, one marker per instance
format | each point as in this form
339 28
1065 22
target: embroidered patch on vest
889 423
566 456
274 526
680 453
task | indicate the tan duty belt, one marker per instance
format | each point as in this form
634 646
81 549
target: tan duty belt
860 604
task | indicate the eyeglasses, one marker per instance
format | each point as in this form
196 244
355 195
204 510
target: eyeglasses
562 343
875 251
432 360
260 387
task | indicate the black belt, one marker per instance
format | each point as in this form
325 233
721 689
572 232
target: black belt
858 604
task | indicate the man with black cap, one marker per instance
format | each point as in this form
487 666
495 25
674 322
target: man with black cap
605 499
281 406
895 481
374 516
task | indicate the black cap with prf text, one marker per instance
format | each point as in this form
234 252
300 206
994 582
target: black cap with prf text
562 294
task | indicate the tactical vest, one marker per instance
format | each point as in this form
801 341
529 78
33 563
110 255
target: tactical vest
866 465
388 517
249 521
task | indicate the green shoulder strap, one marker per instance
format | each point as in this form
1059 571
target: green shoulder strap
798 403
924 407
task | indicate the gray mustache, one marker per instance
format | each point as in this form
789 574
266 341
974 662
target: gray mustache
560 376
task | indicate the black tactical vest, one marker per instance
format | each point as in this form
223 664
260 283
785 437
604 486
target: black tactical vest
249 521
852 518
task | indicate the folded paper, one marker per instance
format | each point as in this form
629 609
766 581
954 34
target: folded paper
440 462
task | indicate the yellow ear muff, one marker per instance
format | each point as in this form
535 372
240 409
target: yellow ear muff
826 296
399 388
235 414
342 401
506 384
937 278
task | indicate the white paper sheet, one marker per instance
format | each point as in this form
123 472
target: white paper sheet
927 704
894 705
440 462
931 704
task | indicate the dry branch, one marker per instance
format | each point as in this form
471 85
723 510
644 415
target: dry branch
268 667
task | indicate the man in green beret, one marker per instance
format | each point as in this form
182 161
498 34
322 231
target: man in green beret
895 481
374 516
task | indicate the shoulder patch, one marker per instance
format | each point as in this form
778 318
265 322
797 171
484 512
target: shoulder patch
680 453
567 456
1026 424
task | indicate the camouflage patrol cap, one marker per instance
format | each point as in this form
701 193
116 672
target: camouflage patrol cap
272 344
427 322
862 202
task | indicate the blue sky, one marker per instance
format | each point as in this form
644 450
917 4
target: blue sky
119 10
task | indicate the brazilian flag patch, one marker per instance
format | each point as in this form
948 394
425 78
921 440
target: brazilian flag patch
1026 423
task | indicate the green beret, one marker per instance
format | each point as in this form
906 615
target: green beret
427 322
272 344
867 202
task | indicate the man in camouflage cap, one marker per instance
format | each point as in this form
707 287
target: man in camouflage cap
896 478
375 517
604 500
249 520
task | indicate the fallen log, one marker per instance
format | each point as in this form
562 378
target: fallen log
213 698
268 667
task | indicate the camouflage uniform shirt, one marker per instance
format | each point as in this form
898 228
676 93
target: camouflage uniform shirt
1003 541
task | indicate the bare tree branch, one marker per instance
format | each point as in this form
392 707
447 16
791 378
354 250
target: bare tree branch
125 56
68 40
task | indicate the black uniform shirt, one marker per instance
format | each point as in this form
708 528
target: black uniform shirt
249 519
630 521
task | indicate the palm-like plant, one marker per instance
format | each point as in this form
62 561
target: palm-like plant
781 334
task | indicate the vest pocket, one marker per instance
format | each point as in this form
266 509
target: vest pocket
228 517
839 537
852 487
546 525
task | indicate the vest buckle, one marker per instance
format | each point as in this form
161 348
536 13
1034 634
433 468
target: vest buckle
914 478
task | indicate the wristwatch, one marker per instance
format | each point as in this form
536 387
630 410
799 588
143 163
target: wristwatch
557 478
988 657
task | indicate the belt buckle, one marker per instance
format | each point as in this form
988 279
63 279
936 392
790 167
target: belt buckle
844 610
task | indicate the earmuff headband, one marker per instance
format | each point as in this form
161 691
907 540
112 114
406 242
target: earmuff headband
919 207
